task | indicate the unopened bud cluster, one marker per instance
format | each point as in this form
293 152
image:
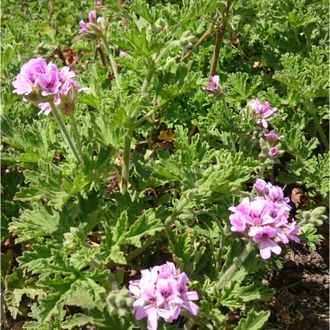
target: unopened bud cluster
187 40
270 148
120 303
314 218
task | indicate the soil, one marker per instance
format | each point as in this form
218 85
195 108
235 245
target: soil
301 301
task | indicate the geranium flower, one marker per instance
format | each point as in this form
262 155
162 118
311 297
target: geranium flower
273 152
162 292
263 236
214 83
265 219
261 111
272 136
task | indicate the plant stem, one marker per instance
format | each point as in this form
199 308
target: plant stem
320 131
76 133
112 61
201 39
231 133
138 251
179 208
129 134
220 34
235 266
310 107
65 133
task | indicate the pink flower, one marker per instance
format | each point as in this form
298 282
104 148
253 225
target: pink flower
122 54
291 231
274 194
214 84
265 219
267 245
186 295
66 74
162 292
49 82
260 185
93 29
41 83
26 79
272 136
261 111
83 26
273 152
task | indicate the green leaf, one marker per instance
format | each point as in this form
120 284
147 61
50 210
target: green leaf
84 293
253 321
241 86
77 320
147 224
40 221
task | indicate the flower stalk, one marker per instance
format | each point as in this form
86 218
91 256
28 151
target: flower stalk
76 133
112 61
220 34
64 131
235 266
233 146
129 134
179 208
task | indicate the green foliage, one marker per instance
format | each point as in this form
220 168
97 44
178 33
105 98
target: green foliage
254 321
82 236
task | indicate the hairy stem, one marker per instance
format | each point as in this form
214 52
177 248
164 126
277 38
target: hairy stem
64 131
233 146
76 133
140 250
235 266
129 134
310 106
220 34
184 201
201 39
112 61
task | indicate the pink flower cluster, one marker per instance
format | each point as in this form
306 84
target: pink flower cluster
94 29
92 20
214 84
40 82
161 292
261 111
265 219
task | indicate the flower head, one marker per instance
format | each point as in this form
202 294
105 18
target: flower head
162 292
265 219
95 28
122 54
41 83
214 84
261 111
272 136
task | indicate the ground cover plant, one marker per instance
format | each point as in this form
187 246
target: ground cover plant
159 160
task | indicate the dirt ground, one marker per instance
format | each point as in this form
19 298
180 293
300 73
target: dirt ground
302 286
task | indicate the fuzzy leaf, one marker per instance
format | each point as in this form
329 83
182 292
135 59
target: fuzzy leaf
77 320
253 321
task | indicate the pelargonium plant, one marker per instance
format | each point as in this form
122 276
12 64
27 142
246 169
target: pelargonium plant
163 155
162 292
